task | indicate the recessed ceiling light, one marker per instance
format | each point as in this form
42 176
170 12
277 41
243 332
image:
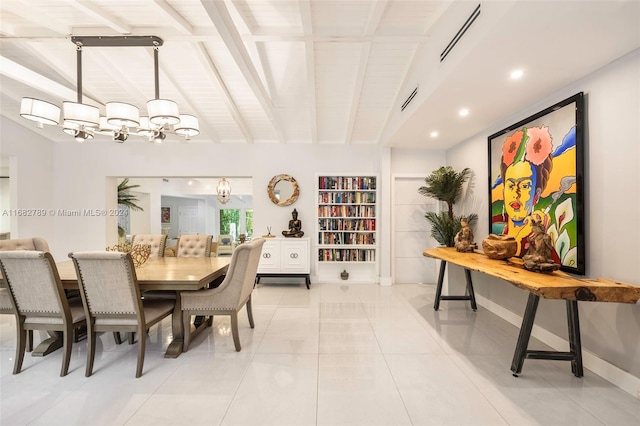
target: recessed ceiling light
516 74
434 134
464 112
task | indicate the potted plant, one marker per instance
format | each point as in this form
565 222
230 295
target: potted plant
445 184
125 198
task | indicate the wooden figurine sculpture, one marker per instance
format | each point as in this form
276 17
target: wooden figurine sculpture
538 257
295 226
463 240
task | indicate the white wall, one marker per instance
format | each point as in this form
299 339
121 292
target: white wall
612 210
31 168
5 205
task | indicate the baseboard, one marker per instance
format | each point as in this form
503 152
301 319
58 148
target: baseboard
620 378
385 281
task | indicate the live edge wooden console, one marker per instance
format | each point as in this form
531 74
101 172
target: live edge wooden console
556 285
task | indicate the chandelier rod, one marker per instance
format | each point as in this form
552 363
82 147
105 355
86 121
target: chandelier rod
79 70
155 70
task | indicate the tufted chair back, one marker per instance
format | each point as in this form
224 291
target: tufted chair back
30 244
34 244
194 246
157 243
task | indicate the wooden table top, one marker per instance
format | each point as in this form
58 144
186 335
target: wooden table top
164 273
557 285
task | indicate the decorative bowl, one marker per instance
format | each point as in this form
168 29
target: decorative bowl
499 246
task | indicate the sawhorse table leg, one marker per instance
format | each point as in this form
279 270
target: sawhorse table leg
575 347
471 294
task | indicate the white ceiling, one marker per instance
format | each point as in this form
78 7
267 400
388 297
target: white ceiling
314 71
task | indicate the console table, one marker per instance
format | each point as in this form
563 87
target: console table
556 285
287 257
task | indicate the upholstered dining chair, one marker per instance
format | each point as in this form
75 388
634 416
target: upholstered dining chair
157 243
194 246
232 294
112 302
226 245
39 301
33 244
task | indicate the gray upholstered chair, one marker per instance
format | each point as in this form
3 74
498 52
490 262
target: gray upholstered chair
39 302
230 296
157 243
194 246
38 244
226 245
111 297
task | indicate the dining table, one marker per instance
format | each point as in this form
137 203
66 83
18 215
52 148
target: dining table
172 274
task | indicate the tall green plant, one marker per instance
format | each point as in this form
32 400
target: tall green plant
126 198
445 184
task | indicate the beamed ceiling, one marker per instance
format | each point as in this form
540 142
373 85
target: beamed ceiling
313 71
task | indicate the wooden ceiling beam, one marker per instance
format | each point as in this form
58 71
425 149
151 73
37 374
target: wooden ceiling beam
375 16
101 15
222 88
177 19
221 19
309 49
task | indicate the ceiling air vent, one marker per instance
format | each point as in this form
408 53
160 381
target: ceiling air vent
409 99
460 33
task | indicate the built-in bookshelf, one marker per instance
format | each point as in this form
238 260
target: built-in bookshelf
347 229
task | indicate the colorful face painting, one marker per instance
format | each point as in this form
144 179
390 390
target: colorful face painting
536 173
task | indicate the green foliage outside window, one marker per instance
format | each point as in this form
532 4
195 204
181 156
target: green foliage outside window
232 216
249 222
227 217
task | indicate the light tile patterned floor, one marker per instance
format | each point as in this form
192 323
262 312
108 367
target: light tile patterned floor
338 354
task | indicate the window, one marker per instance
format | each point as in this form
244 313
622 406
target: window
249 222
235 222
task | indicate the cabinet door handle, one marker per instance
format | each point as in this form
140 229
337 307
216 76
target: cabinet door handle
266 255
293 255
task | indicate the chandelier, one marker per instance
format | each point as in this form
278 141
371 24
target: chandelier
82 121
224 191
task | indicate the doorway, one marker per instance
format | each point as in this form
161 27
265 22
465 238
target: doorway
411 232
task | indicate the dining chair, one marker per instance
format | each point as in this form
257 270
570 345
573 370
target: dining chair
157 243
112 302
194 246
39 302
228 298
35 243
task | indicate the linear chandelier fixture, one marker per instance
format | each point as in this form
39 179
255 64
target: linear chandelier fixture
122 119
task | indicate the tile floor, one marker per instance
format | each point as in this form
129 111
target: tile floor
338 354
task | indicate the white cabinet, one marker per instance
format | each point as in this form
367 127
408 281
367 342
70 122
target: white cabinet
285 257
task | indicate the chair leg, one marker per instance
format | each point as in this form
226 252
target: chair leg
186 325
20 345
141 347
29 340
67 337
91 351
250 312
234 330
